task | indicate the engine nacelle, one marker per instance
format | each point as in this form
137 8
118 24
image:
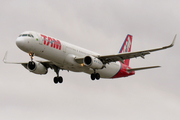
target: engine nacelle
93 62
36 67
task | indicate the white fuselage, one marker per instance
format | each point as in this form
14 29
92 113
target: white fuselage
63 54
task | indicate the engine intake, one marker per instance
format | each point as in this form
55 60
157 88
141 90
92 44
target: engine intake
31 65
93 62
36 67
87 60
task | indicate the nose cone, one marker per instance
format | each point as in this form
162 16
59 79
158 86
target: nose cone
20 42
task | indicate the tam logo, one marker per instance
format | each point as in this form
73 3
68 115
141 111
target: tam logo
127 46
51 41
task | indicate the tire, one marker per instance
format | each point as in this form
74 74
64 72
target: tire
93 76
55 80
60 79
97 75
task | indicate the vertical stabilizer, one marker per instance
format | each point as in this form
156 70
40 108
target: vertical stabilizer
126 47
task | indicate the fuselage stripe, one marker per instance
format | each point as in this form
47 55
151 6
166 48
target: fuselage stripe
123 44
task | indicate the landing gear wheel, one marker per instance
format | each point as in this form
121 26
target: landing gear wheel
55 80
97 75
60 79
93 76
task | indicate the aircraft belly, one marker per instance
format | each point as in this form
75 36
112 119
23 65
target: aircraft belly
108 72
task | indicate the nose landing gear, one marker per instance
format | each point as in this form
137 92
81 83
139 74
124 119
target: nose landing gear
31 55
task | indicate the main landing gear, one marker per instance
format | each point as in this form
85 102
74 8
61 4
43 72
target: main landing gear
57 79
95 76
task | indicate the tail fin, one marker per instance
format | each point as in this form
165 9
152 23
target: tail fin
126 47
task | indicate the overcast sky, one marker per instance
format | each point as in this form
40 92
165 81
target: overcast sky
100 26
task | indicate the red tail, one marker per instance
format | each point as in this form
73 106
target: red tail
126 47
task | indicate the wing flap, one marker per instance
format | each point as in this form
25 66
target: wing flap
123 56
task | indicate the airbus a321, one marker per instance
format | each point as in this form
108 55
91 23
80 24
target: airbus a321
61 55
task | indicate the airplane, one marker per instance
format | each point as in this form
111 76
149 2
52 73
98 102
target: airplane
60 55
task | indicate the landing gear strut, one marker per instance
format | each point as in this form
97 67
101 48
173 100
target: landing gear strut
58 78
95 76
31 55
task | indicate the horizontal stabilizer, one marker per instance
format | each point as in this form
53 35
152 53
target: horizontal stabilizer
142 68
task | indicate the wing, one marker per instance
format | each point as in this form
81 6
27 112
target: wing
128 55
47 64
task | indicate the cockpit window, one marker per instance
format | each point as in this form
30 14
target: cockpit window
24 34
29 35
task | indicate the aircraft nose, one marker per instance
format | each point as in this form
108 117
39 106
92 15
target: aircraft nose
19 42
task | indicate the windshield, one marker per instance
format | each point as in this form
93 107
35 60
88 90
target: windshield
28 35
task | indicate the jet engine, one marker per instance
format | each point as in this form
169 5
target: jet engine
36 67
93 62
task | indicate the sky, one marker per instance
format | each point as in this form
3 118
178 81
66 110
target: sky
100 26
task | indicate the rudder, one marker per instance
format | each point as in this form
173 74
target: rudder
126 47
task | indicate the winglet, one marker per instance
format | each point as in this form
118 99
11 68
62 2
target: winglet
173 40
5 57
5 60
172 44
